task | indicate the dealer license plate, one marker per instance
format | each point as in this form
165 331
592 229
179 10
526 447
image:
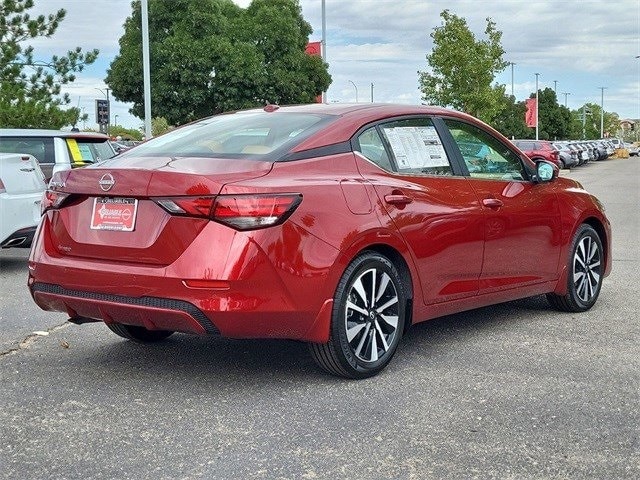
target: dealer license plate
114 214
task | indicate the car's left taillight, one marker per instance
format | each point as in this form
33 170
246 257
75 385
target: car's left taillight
241 212
52 200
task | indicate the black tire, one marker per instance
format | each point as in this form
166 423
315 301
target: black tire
138 334
367 320
585 272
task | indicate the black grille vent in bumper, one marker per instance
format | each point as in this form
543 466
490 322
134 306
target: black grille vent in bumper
164 303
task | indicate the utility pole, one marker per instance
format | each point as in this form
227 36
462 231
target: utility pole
555 87
512 65
371 92
565 97
324 42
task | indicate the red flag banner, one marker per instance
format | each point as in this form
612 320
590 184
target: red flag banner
531 116
315 50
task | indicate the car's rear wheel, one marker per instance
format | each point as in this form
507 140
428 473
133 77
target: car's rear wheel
138 334
585 273
367 320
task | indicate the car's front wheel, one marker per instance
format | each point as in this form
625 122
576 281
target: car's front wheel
585 272
367 321
138 334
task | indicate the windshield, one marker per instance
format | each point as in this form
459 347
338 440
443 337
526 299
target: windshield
237 135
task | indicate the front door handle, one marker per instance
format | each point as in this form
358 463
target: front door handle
492 203
397 199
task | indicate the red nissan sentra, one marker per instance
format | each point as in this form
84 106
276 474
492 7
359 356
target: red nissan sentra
338 225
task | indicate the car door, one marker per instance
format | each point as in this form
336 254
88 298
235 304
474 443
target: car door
522 218
429 201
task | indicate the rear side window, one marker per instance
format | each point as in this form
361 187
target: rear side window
41 148
237 135
484 155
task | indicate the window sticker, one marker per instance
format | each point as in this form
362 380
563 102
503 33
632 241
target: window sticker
417 147
76 156
85 151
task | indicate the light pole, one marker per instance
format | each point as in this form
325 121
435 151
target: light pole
565 97
115 120
602 89
354 86
512 65
555 87
371 92
324 42
537 119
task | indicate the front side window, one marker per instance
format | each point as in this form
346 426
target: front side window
484 155
416 147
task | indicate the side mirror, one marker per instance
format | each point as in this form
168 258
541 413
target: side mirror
545 172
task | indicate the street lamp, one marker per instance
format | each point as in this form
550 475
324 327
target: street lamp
537 119
115 121
602 89
354 86
512 65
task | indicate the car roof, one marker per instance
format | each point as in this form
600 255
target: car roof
40 132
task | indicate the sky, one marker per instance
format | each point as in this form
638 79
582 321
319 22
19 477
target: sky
576 47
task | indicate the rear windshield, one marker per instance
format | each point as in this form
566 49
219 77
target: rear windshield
237 135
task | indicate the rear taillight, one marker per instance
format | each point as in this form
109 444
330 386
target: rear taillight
52 200
242 212
250 212
2 187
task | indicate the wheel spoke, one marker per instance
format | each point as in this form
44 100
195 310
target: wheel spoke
353 306
373 356
392 301
359 288
391 320
354 331
362 340
383 286
374 276
385 346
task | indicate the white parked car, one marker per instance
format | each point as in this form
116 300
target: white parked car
22 184
57 150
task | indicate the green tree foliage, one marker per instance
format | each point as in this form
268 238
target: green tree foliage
159 125
510 121
215 56
29 88
554 120
463 68
590 128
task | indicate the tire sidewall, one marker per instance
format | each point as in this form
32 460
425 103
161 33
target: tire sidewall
584 231
347 357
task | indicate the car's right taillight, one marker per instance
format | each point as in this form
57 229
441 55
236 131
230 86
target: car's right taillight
251 212
2 187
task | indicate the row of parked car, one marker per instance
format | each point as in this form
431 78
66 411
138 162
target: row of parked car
567 154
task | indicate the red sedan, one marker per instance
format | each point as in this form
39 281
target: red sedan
338 225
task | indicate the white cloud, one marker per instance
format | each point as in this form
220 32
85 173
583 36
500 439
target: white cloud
583 44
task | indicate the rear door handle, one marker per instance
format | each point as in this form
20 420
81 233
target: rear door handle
27 169
397 199
492 203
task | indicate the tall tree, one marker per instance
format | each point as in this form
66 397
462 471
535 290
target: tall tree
30 88
215 57
462 68
554 120
510 121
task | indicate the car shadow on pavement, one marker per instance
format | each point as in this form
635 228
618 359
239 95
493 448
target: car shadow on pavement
191 360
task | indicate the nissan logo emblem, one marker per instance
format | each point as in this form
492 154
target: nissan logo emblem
106 182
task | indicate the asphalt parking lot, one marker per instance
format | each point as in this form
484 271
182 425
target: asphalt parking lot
512 391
